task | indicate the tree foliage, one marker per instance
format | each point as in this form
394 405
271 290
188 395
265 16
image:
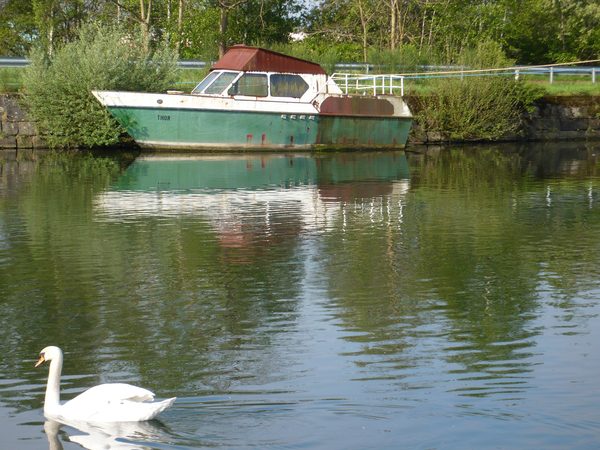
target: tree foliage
58 87
530 31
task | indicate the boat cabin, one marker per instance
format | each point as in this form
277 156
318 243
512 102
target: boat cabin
258 73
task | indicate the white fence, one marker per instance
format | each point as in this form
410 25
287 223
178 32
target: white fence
369 84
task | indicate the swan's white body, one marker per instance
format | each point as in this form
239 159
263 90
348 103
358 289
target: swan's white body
104 403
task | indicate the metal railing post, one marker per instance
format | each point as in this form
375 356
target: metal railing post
551 75
593 74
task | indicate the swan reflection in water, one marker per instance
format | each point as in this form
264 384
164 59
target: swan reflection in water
107 436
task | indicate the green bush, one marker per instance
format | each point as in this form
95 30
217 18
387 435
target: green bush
476 106
58 87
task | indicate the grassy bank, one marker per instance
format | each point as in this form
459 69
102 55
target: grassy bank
10 79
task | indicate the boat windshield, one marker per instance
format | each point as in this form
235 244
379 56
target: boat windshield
215 83
209 79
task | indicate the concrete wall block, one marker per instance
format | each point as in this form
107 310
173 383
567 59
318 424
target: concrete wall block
24 141
550 136
13 112
580 112
3 106
551 110
574 135
594 124
27 128
434 136
10 128
564 112
546 123
40 142
592 134
8 142
417 137
574 124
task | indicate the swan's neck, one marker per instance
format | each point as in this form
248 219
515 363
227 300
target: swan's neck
53 388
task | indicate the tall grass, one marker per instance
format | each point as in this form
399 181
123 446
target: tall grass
569 88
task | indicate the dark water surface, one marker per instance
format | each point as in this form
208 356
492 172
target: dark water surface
336 301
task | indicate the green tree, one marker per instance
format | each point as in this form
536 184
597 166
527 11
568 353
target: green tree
530 31
17 27
264 22
103 57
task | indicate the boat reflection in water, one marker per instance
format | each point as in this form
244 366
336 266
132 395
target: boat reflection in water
242 195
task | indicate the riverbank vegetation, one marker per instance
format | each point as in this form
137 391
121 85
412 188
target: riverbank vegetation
58 86
69 56
481 107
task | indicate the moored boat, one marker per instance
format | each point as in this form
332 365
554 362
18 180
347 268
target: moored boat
256 99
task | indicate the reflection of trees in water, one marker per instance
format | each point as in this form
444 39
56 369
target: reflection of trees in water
502 166
452 259
462 271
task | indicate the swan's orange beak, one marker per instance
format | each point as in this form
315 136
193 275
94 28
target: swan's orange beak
40 361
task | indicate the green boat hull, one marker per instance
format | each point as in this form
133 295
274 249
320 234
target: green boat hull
217 129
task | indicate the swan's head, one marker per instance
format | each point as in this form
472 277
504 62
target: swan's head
48 354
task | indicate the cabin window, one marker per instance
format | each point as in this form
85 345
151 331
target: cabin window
220 83
251 84
288 86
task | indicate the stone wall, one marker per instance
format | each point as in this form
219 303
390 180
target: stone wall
574 117
16 129
554 118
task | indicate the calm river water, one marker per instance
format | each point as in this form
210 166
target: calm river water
332 301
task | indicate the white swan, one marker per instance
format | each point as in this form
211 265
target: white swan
116 402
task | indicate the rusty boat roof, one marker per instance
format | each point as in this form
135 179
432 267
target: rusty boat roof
256 59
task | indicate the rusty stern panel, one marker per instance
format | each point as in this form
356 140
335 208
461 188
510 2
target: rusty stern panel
357 106
362 132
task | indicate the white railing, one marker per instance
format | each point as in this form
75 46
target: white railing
369 84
